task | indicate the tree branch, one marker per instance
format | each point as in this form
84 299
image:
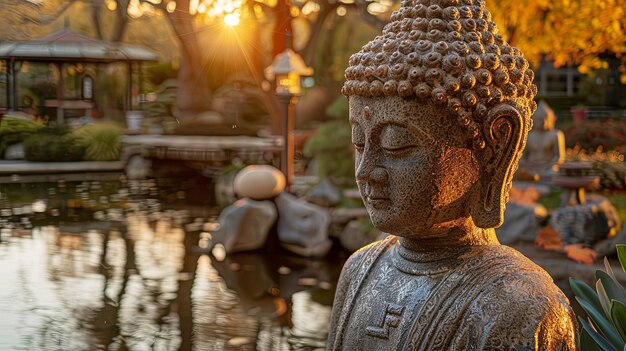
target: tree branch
121 20
45 20
316 31
361 6
96 8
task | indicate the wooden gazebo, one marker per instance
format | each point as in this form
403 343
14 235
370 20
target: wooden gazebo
68 47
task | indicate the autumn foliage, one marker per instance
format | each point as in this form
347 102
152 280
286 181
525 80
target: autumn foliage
566 31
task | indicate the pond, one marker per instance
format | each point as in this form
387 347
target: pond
113 264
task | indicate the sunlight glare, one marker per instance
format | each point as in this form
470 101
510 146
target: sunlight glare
310 7
147 9
193 7
111 5
171 6
376 9
231 20
134 9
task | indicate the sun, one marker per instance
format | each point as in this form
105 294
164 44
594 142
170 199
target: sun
231 19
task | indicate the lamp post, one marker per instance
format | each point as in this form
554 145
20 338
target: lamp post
286 70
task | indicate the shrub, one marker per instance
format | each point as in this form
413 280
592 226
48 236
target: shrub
47 146
609 166
609 134
101 141
332 146
15 129
605 329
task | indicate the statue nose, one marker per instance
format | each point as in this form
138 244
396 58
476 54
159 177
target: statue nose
379 174
373 174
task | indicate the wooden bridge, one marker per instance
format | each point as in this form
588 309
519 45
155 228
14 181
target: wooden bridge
204 151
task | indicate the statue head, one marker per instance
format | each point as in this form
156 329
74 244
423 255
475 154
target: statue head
544 117
440 108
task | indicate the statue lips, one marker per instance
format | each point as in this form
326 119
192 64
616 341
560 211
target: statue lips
377 200
379 203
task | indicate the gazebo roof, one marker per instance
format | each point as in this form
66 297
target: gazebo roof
65 45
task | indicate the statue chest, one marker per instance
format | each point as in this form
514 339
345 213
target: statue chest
385 308
541 146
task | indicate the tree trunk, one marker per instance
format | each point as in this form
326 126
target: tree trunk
193 94
282 26
257 68
96 17
121 21
316 32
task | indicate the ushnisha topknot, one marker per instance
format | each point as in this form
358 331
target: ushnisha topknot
447 51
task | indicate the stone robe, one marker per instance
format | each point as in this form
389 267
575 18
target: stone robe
486 297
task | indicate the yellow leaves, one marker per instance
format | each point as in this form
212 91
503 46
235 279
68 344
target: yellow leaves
590 63
565 30
270 3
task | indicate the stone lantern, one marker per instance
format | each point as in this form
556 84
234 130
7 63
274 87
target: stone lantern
286 71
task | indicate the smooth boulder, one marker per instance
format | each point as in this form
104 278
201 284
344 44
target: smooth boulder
324 194
588 224
521 223
245 225
357 233
302 226
259 182
138 167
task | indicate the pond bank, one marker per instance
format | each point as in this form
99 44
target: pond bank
10 167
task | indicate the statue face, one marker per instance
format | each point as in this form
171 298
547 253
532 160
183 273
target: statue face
544 118
414 168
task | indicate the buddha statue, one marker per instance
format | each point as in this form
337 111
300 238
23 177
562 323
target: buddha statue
440 109
545 149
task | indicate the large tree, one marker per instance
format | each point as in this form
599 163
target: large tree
325 32
192 22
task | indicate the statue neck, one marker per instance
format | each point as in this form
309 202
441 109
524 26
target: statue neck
446 242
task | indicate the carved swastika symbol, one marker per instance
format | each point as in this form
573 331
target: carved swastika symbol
390 319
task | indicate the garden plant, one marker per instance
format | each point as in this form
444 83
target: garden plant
604 329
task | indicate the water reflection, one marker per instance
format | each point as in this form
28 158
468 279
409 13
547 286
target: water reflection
116 266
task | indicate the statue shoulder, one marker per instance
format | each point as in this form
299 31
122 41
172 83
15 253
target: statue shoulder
358 266
521 277
367 254
353 273
524 312
523 307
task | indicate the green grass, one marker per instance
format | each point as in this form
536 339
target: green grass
619 201
552 200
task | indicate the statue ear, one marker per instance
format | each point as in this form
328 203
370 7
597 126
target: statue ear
504 131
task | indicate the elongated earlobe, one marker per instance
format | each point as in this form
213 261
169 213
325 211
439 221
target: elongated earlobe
505 131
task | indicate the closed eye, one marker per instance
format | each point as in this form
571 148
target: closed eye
359 147
400 150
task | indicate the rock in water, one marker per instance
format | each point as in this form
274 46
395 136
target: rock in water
138 167
245 225
324 194
259 182
302 226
